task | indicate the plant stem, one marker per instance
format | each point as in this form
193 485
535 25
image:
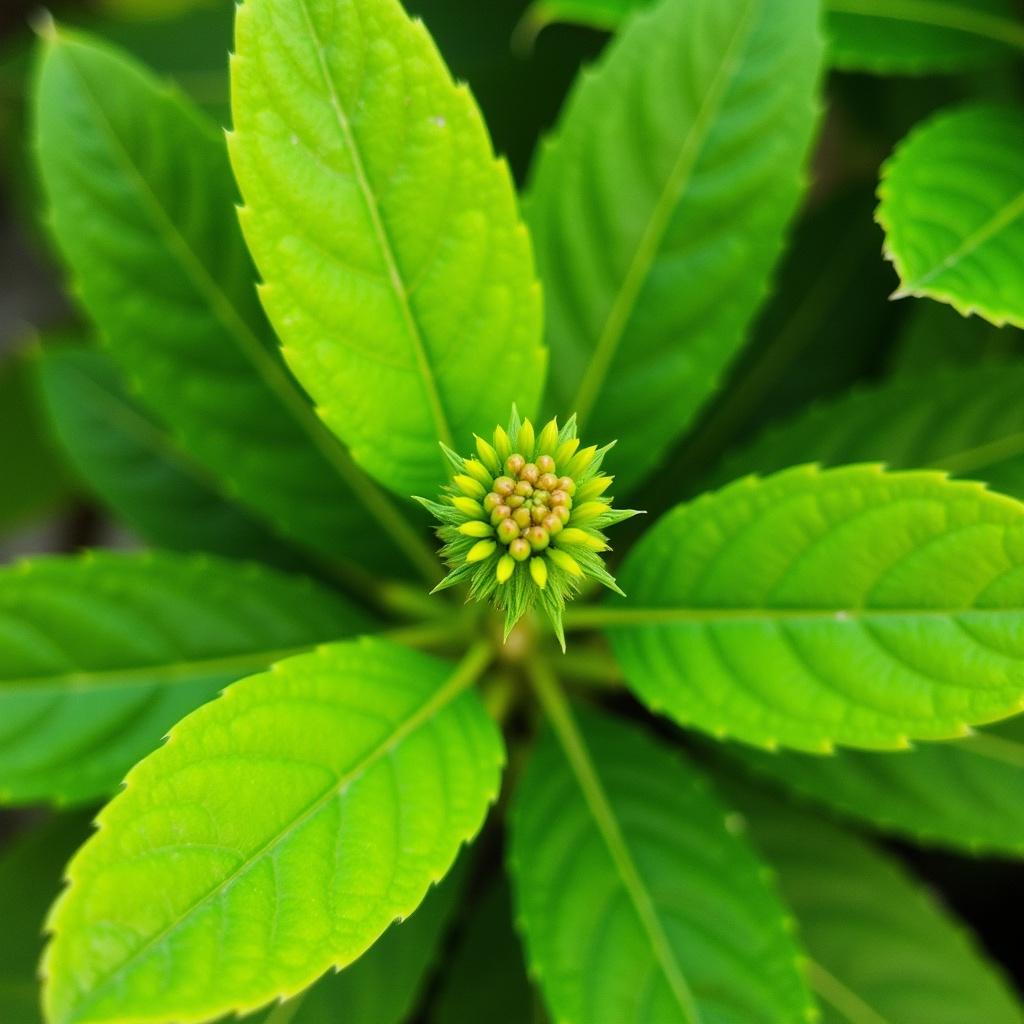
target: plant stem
429 634
595 667
407 601
837 995
560 716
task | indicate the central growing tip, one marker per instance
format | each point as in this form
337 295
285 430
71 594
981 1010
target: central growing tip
521 521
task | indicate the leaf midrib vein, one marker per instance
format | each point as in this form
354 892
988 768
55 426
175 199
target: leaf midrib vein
840 997
647 248
462 676
395 277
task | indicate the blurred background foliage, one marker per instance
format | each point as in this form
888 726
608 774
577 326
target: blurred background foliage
828 326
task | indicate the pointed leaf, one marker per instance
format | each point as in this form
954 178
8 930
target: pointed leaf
143 210
397 271
285 825
101 654
952 206
138 470
967 421
636 901
882 949
810 608
658 209
964 794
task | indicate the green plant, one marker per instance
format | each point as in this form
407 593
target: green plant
371 709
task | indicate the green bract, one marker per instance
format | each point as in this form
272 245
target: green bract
301 323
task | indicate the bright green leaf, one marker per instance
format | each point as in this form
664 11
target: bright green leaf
881 36
968 421
964 794
658 209
35 477
882 950
485 979
811 608
637 901
143 209
397 271
384 985
285 826
137 469
31 867
101 654
952 206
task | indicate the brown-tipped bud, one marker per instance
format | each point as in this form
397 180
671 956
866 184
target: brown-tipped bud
515 501
567 484
525 488
530 473
500 512
488 456
540 497
526 440
476 528
566 450
538 512
514 463
594 488
504 485
538 538
581 538
522 517
547 481
502 445
545 464
480 550
552 523
478 471
565 562
563 513
548 438
506 566
539 572
508 530
470 487
520 549
468 507
492 501
557 498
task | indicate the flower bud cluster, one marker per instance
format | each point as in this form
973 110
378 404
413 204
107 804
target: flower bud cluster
521 520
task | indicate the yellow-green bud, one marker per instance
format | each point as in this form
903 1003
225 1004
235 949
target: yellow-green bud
588 511
476 528
478 471
502 445
514 463
562 512
552 523
504 485
525 488
492 501
539 572
469 486
520 549
582 538
565 561
527 439
508 530
538 538
522 517
468 507
548 439
567 484
529 473
506 566
515 501
500 512
480 550
538 512
548 481
566 450
488 456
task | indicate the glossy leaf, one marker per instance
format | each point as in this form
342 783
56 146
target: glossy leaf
286 825
37 479
138 470
143 210
636 901
881 36
384 985
964 794
967 421
658 208
396 269
31 865
101 654
952 206
853 607
882 949
485 976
